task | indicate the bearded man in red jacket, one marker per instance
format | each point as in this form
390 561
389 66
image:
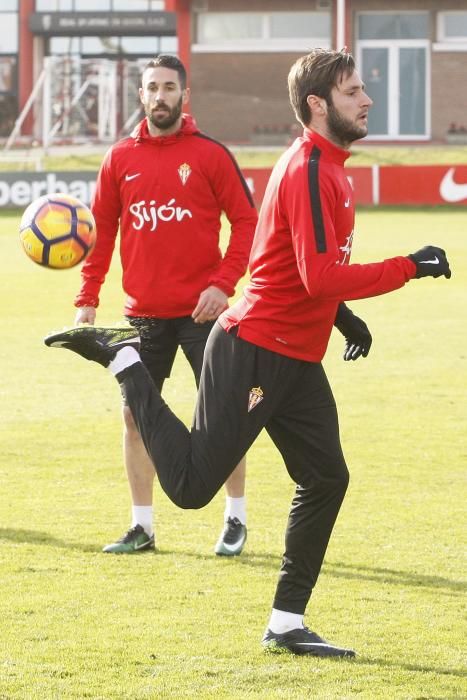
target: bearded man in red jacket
262 364
166 187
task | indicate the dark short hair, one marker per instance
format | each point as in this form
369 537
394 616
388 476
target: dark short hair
166 60
316 74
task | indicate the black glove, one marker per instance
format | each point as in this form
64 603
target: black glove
355 331
431 262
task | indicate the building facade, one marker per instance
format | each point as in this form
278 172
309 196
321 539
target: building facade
412 56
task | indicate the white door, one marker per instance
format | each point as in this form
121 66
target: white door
396 76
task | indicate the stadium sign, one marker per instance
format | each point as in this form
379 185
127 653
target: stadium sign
103 23
391 185
411 185
20 189
420 185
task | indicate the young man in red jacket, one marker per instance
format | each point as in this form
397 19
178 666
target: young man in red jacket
166 186
263 359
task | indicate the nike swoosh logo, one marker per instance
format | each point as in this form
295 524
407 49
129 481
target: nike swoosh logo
435 261
65 343
131 177
452 191
120 342
234 547
314 644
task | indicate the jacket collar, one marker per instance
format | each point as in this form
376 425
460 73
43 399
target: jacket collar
337 154
141 132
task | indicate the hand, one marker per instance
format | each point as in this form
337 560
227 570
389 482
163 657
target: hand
212 302
431 262
85 314
355 331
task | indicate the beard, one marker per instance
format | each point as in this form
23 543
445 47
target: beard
342 130
166 119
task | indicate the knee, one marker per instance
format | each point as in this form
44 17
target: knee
339 474
343 478
334 479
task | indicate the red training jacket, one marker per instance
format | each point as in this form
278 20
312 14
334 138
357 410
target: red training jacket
167 194
299 261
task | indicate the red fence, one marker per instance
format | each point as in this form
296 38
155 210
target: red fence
415 185
391 184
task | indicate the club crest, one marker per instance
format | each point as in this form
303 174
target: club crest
255 397
184 172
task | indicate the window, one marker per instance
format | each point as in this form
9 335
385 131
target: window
94 5
99 45
140 45
393 53
8 32
228 26
262 31
91 5
385 25
169 44
113 46
292 25
53 5
452 27
8 65
136 5
64 45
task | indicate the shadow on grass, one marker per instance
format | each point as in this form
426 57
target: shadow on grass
391 576
356 571
363 573
418 668
386 663
343 570
45 538
333 569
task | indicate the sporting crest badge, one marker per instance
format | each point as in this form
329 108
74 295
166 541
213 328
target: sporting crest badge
255 397
184 172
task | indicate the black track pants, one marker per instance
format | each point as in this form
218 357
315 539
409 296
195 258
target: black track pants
243 389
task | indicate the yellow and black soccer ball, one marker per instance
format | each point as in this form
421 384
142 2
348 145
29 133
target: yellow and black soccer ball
57 231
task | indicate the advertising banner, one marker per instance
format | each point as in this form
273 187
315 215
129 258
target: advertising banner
20 189
427 185
103 23
414 185
419 185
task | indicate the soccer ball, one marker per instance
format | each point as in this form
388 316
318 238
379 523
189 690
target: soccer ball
57 231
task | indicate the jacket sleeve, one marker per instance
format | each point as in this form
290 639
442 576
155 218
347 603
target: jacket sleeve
106 208
234 198
317 252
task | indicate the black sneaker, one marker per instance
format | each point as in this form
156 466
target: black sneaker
97 344
133 541
302 641
232 539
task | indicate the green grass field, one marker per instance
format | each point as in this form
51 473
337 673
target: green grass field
181 623
362 154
